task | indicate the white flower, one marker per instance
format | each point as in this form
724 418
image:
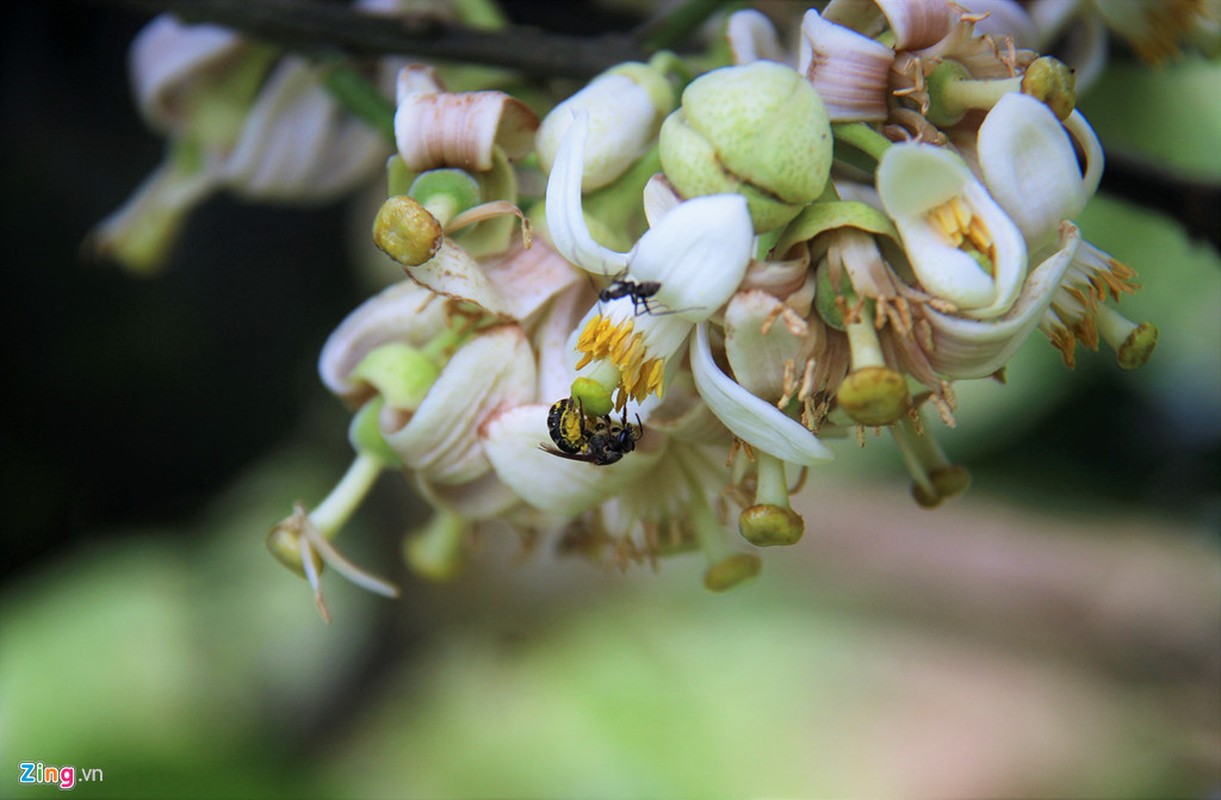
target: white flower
963 248
626 106
1030 165
697 254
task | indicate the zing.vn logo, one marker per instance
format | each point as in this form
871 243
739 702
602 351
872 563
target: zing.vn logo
64 777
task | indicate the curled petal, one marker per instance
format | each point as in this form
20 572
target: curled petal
850 71
528 278
760 341
453 273
962 246
167 60
565 218
1085 137
752 419
623 120
416 79
461 129
296 143
916 23
1030 166
698 253
659 199
512 441
1006 18
404 312
552 339
485 497
968 348
752 38
441 440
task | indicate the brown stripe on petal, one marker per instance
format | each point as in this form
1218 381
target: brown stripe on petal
446 129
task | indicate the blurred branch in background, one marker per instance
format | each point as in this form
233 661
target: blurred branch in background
310 25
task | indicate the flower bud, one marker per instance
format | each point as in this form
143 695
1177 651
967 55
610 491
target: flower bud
759 130
766 525
626 106
732 571
404 230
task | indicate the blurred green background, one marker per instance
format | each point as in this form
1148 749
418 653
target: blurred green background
1055 632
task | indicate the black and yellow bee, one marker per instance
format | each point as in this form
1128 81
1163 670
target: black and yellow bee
592 439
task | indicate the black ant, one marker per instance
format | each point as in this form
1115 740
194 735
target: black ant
638 291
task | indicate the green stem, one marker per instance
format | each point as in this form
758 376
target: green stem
677 24
772 488
861 136
330 515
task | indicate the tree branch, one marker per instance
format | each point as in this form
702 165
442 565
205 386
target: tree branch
310 25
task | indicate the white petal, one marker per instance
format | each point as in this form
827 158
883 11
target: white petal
912 180
415 79
404 312
528 278
758 359
166 58
486 497
1081 130
453 273
659 199
441 440
549 482
752 419
1030 167
565 218
461 129
1006 18
916 23
752 37
622 122
968 348
849 70
554 340
698 252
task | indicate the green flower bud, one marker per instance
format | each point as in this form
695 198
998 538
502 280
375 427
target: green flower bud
765 525
873 395
1051 81
759 130
730 572
400 373
404 230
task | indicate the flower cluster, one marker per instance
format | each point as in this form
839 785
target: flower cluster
628 323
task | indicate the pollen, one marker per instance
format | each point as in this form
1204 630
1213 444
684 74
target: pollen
963 229
620 343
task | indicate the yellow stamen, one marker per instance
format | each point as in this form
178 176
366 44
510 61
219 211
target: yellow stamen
963 229
623 346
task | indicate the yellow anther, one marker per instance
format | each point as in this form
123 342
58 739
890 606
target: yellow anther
962 228
622 345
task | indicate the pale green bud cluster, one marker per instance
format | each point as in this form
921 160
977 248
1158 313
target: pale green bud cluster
759 130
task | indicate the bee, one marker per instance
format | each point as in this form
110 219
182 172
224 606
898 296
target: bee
566 424
594 440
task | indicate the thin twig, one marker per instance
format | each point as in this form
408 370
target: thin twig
312 24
